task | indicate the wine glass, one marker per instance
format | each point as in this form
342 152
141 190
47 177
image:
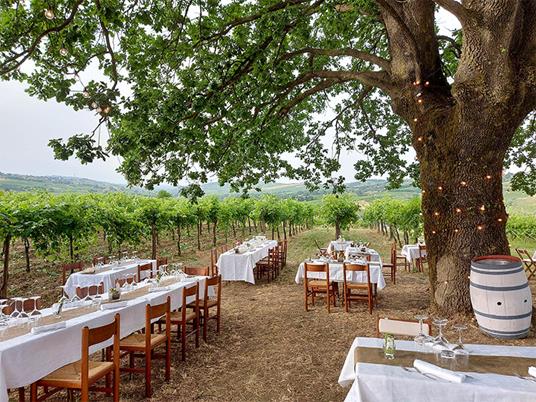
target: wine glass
125 255
440 342
35 314
3 317
16 312
460 349
421 338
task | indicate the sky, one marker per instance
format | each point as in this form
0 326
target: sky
27 124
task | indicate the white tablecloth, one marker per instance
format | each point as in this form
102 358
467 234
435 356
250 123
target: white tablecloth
336 274
239 267
336 245
26 359
411 252
378 382
351 251
108 276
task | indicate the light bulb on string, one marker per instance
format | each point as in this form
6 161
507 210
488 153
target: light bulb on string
64 52
98 110
107 109
416 83
419 139
427 83
480 227
49 14
94 105
456 230
440 188
433 232
463 183
458 210
499 220
419 94
419 100
85 94
436 213
483 208
488 177
415 120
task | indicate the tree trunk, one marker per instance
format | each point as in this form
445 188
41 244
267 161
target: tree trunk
179 240
278 235
337 229
214 226
154 241
234 229
462 202
273 232
199 224
284 230
5 273
249 224
26 242
71 247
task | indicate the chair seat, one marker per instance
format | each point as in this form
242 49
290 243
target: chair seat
176 316
210 303
137 341
387 265
317 284
353 285
69 376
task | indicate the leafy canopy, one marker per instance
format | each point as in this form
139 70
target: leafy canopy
192 88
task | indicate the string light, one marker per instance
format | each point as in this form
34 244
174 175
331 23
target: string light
483 208
458 210
419 100
440 188
423 191
417 83
64 52
456 230
427 83
480 227
463 183
488 177
49 14
94 105
499 220
419 94
436 213
107 109
415 120
419 139
433 232
98 110
85 94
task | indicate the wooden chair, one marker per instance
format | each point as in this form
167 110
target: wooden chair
399 257
184 316
82 374
71 268
268 265
391 266
143 345
214 261
92 290
349 296
95 259
197 271
528 262
400 327
423 259
283 253
206 304
313 287
144 269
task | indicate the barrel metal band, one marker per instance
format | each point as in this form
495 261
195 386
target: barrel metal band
504 317
512 333
478 271
500 288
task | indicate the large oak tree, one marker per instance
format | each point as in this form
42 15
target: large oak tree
193 87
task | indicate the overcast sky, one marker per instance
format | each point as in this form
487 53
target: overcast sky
27 124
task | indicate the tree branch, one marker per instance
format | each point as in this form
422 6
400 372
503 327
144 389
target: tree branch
365 56
6 68
115 75
321 86
455 8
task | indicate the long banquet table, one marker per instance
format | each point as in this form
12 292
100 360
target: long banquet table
239 267
380 382
336 273
27 358
107 275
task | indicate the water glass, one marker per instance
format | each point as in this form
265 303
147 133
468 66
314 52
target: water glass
389 346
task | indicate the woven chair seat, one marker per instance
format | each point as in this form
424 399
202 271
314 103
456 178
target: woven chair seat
137 341
69 376
176 316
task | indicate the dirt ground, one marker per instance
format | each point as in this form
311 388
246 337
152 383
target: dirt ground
270 349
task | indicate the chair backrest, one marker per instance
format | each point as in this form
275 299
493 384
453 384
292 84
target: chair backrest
94 336
393 253
161 261
130 280
214 281
189 292
71 268
92 290
315 267
352 267
143 268
198 271
422 247
213 259
105 260
402 327
523 254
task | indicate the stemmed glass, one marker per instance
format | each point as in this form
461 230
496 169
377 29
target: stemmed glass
440 342
422 337
125 255
460 349
35 314
3 318
16 312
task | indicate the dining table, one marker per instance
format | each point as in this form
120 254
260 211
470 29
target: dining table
239 266
106 274
338 245
371 377
29 356
412 253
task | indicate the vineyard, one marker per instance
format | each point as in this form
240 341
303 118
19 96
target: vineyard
70 227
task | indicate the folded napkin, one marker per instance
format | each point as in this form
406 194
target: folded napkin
159 289
444 374
49 327
113 305
532 371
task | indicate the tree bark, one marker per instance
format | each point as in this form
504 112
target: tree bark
179 240
26 242
5 272
337 229
154 241
199 224
71 247
214 226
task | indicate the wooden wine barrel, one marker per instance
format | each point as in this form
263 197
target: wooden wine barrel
500 296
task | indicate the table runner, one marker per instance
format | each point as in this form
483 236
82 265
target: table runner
505 365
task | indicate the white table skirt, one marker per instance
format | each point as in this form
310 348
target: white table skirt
351 251
336 274
411 252
107 276
336 245
378 382
239 267
26 359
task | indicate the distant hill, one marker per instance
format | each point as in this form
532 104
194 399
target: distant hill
517 202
